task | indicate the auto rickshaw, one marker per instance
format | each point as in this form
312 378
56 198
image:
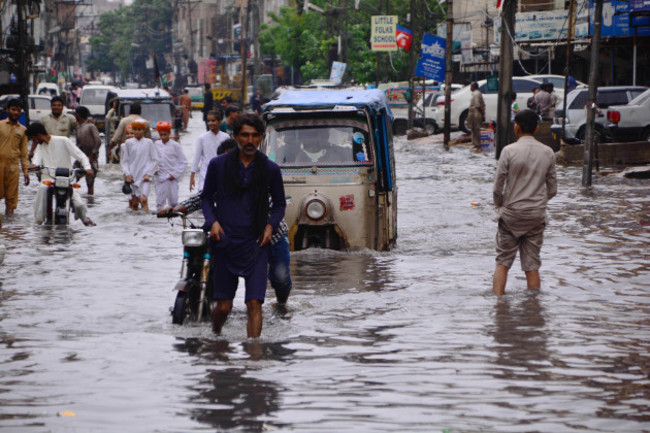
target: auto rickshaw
335 150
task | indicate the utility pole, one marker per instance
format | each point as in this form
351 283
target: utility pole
504 126
567 70
23 57
594 77
409 124
448 72
243 14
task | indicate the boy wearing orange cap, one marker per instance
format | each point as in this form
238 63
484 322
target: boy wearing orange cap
171 166
139 161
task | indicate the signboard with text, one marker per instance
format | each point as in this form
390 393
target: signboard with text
432 58
639 5
382 33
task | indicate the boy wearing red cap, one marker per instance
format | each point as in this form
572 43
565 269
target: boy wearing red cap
139 161
171 166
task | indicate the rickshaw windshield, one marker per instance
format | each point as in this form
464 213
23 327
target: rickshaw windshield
327 142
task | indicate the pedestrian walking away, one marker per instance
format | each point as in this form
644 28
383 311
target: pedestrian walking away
56 152
476 115
13 151
171 166
524 183
139 160
241 221
206 148
89 141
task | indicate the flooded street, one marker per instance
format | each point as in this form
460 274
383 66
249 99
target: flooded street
407 341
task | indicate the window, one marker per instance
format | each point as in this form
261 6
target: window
618 97
318 142
579 101
523 85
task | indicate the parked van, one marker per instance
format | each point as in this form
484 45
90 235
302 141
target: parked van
93 97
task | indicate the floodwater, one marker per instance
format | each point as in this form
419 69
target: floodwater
407 341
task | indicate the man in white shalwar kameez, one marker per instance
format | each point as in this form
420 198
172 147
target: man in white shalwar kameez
206 147
139 161
56 152
171 166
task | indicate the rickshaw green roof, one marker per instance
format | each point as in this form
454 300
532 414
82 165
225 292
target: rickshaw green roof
373 99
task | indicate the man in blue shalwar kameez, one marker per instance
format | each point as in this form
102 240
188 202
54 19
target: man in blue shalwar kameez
235 202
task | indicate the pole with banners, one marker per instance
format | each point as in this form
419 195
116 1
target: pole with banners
448 73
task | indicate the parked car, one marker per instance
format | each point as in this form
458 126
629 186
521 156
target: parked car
429 104
461 99
39 106
574 128
629 122
93 97
556 80
49 89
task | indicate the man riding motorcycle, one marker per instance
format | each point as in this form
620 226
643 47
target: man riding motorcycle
56 151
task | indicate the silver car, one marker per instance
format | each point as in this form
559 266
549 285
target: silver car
574 128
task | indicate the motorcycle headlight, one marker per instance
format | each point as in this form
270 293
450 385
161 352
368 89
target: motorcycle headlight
61 182
315 209
194 238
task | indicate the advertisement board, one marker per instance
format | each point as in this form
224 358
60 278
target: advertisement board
432 58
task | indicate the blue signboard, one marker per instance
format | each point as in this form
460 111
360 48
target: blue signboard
432 58
639 5
617 21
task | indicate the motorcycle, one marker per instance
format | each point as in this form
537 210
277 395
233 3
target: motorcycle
195 285
59 192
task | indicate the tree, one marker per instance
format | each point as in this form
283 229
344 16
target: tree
130 34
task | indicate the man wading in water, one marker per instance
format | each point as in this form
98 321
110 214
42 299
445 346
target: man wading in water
235 202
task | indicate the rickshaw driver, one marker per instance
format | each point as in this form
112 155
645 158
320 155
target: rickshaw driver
315 148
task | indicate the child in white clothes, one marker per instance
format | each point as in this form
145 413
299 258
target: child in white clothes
139 161
171 166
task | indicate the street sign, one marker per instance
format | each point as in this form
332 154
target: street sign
382 34
432 58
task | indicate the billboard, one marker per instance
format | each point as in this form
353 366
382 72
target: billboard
432 58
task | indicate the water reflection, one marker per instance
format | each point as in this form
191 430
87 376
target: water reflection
226 398
326 272
521 337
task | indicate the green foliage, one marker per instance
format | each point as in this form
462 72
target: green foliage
129 33
306 40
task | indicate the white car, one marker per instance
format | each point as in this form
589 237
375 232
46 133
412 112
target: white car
461 99
39 105
401 114
575 121
630 122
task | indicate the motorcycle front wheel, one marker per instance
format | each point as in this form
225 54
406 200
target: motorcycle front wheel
180 307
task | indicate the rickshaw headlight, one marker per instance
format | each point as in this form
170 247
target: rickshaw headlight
194 238
315 209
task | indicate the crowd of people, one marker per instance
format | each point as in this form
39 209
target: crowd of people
241 192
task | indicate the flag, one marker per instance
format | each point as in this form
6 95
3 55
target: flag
498 4
403 37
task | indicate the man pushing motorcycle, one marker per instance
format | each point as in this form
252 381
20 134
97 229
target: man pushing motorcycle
241 220
58 152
